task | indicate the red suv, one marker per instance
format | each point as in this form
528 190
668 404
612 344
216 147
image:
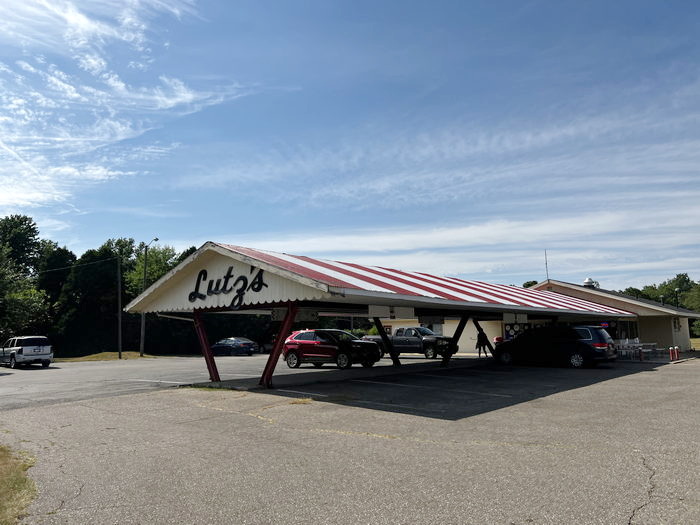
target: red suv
329 346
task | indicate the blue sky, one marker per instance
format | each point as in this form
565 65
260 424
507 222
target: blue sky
452 137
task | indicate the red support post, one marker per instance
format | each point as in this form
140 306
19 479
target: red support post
204 345
285 330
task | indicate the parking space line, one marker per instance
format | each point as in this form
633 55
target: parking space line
304 393
157 381
475 392
409 407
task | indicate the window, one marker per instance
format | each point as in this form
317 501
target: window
305 336
584 333
324 338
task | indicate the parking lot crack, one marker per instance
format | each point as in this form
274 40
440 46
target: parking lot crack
650 490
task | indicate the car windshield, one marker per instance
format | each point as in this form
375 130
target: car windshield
424 331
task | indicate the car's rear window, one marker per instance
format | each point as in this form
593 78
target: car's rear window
33 341
584 333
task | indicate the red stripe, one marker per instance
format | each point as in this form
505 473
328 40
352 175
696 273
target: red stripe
361 277
559 300
404 281
286 265
521 297
443 284
473 285
576 301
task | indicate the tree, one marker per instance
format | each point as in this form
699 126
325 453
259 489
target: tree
636 293
529 284
23 309
695 328
184 255
53 267
86 312
21 235
160 261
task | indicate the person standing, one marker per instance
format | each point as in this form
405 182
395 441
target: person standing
482 343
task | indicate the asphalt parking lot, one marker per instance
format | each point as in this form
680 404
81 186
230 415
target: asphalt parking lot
474 443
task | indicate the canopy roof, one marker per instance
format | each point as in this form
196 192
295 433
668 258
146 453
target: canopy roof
225 277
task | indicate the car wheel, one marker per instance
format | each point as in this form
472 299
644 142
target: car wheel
250 353
293 360
13 362
318 365
430 353
504 358
343 360
45 364
576 360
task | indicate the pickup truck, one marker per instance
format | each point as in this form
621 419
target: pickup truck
415 340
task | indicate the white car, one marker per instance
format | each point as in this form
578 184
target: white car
26 350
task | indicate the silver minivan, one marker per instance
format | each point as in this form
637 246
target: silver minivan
26 350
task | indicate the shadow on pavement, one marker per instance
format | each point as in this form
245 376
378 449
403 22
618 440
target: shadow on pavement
468 387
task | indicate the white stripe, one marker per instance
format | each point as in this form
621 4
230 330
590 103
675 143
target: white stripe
518 298
435 282
577 300
387 276
331 273
476 295
529 297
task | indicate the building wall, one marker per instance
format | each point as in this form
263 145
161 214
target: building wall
681 333
656 330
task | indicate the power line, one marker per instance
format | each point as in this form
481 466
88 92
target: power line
78 265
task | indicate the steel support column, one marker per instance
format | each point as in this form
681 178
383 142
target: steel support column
454 341
386 341
204 345
285 330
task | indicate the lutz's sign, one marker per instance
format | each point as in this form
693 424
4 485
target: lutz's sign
228 283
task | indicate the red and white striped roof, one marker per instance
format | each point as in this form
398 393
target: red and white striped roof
354 279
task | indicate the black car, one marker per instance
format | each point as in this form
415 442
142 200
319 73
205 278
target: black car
234 346
558 345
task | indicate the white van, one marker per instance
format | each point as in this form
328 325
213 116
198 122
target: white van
26 350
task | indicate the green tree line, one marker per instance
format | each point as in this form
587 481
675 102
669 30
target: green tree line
45 289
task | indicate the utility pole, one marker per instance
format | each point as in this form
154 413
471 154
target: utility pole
143 315
119 306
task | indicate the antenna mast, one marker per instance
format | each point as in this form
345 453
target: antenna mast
546 267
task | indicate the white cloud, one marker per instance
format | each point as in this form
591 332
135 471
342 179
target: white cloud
66 98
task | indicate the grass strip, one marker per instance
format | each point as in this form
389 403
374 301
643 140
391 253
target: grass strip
103 356
16 489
